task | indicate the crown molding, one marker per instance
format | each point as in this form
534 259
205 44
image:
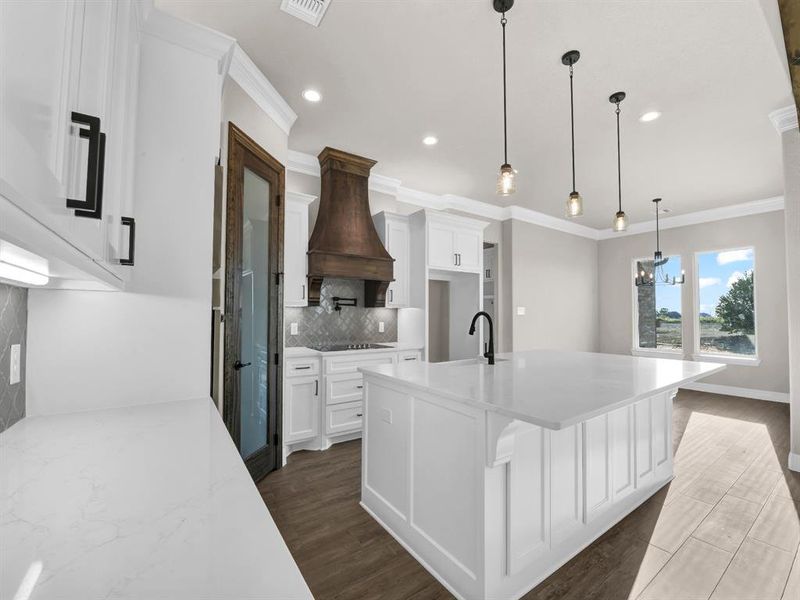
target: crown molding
784 119
197 38
421 199
300 162
300 198
384 184
536 218
250 78
703 216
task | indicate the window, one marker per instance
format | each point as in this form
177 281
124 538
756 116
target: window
658 313
726 322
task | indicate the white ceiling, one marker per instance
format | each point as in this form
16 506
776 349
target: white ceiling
393 71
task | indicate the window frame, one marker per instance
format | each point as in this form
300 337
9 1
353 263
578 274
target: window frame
678 354
730 359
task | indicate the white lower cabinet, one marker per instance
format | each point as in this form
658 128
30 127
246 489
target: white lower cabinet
301 408
343 418
323 396
344 387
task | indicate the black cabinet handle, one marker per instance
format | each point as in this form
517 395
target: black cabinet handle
240 365
410 358
302 368
303 297
360 387
130 222
316 387
359 414
92 206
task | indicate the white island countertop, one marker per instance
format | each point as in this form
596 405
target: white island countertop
549 388
147 502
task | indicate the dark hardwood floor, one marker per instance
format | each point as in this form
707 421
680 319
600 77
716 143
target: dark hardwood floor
727 527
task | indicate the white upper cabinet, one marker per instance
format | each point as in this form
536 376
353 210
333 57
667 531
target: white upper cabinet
69 83
469 248
441 247
395 234
295 248
454 243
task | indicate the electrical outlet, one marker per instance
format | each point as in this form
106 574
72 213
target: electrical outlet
381 327
521 311
293 329
386 415
14 374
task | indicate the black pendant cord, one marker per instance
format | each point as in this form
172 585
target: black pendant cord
619 163
503 22
658 242
572 126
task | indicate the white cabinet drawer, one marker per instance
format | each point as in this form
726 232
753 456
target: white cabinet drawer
345 387
299 367
350 363
409 356
343 418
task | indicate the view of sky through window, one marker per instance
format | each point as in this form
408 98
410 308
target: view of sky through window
726 307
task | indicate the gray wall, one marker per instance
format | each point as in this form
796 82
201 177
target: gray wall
554 276
764 232
13 326
439 311
791 174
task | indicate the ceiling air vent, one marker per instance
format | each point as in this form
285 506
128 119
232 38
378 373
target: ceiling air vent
310 11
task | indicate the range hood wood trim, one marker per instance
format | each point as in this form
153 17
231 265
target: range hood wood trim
345 243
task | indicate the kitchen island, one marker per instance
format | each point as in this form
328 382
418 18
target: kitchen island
494 476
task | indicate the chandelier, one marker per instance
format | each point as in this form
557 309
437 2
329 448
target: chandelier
658 276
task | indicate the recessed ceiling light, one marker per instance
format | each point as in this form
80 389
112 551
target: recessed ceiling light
430 140
312 95
649 116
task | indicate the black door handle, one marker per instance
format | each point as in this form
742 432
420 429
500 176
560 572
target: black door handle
131 222
92 206
240 365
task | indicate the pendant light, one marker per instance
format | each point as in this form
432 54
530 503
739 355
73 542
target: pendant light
658 276
620 219
505 179
574 202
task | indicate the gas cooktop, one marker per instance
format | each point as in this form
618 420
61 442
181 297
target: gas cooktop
342 347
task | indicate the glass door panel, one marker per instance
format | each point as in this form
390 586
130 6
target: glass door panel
253 315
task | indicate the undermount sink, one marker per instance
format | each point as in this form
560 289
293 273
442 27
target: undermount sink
474 361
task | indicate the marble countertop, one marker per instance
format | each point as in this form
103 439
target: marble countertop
146 502
552 389
297 351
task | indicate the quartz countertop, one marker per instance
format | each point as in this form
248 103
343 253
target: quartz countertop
146 502
552 389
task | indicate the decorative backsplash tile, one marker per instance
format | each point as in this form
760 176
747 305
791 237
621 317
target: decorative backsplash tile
353 324
13 327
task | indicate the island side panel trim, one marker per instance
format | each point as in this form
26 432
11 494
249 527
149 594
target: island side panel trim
497 531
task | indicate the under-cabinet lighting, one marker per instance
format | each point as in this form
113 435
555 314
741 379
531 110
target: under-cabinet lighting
20 265
15 273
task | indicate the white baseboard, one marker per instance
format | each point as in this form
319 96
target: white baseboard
730 390
794 461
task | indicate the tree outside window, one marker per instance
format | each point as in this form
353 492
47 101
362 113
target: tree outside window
726 308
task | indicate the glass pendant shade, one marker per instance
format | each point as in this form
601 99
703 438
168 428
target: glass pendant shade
506 184
620 221
574 205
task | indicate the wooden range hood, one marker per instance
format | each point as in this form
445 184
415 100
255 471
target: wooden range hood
345 244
